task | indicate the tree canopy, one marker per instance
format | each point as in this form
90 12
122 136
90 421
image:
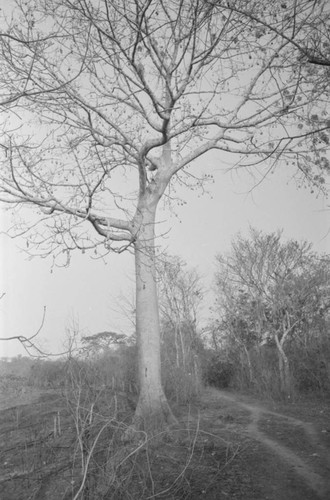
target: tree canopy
103 102
273 287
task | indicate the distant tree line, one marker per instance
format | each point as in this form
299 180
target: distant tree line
268 334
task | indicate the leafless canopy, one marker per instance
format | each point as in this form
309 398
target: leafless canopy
104 101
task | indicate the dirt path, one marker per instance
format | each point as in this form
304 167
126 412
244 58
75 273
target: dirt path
295 442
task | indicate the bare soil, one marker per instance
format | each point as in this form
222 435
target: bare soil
228 446
284 449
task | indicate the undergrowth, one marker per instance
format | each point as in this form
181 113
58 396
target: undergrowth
69 446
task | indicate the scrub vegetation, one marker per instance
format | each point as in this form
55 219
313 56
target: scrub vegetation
66 423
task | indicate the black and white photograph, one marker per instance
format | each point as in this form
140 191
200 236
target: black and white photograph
164 249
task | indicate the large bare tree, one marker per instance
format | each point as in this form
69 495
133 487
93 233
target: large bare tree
106 103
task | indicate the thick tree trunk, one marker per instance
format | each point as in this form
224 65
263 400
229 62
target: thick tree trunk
152 410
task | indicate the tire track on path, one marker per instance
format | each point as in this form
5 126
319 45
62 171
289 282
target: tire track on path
314 480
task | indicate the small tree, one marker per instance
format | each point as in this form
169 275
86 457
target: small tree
180 298
102 342
271 291
105 103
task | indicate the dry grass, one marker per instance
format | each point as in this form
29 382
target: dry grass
69 446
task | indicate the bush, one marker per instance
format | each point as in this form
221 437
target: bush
311 368
47 374
181 370
216 370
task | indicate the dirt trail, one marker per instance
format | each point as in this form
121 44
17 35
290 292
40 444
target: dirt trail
295 460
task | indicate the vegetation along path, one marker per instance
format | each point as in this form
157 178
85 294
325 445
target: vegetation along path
232 447
294 458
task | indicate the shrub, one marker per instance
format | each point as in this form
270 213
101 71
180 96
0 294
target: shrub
217 371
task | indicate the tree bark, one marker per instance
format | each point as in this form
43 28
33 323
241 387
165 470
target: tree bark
248 358
284 368
152 409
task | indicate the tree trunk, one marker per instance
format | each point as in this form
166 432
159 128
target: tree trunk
152 409
183 351
177 353
284 368
248 358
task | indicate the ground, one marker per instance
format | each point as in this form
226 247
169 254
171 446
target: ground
226 446
284 450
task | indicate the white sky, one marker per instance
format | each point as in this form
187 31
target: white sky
88 291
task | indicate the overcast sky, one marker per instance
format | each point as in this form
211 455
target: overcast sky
89 292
